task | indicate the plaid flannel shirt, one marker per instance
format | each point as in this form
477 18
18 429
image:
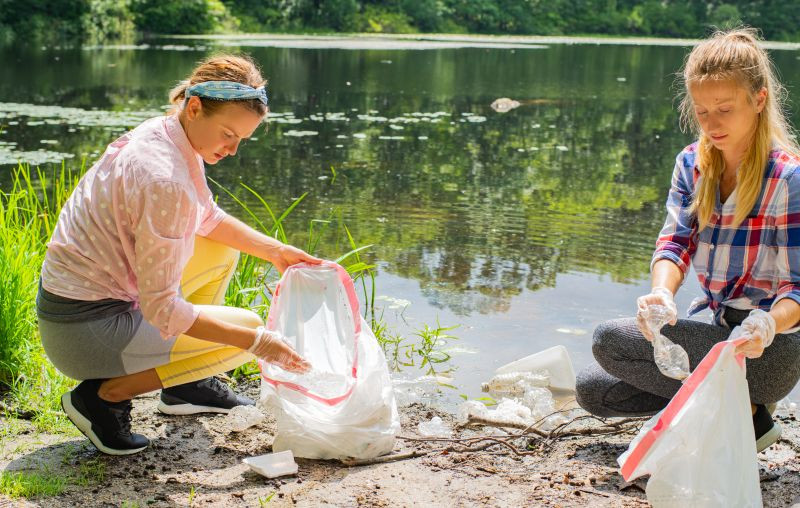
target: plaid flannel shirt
749 266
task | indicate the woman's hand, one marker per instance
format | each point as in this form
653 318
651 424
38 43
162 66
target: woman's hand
285 256
270 347
658 296
240 236
759 330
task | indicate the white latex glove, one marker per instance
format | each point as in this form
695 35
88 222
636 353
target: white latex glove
660 296
270 347
759 328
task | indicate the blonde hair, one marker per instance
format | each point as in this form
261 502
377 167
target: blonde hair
223 67
735 55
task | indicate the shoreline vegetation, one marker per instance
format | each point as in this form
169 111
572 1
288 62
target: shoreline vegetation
365 40
126 21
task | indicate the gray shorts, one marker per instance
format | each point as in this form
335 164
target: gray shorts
98 340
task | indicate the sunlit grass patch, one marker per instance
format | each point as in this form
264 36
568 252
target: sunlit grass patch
31 484
28 213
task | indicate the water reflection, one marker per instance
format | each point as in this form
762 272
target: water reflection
475 205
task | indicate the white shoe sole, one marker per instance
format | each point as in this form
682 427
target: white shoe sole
189 409
769 438
85 426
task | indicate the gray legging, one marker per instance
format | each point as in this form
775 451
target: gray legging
626 382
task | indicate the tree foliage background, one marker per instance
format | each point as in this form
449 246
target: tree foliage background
103 20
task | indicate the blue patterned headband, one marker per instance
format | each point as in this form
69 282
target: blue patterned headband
226 91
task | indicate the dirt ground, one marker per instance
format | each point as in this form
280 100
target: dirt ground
195 461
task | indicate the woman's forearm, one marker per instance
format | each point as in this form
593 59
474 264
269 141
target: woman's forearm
235 233
666 274
208 328
786 314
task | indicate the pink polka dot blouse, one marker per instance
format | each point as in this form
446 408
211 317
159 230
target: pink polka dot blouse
128 229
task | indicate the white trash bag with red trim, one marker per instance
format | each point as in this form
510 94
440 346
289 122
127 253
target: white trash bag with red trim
344 407
700 450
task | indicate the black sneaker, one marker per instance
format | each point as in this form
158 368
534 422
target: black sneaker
767 430
106 424
208 395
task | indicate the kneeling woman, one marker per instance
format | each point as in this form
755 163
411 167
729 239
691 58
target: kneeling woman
135 274
733 212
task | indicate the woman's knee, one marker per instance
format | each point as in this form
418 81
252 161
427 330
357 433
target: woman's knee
612 336
250 319
774 375
211 249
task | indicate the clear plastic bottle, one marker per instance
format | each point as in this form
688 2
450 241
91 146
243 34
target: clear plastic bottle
516 383
670 358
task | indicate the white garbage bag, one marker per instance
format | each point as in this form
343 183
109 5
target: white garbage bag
700 450
344 407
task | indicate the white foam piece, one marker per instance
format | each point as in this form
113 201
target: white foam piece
273 465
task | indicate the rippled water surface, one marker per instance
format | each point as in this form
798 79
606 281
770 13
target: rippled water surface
527 228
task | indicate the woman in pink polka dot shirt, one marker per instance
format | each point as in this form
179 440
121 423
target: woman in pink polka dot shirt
135 274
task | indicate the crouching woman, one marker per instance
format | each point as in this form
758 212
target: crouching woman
134 279
733 214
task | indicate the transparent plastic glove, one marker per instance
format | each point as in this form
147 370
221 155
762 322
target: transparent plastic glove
670 358
270 347
759 328
659 296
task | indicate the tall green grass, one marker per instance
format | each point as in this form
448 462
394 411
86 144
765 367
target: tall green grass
28 213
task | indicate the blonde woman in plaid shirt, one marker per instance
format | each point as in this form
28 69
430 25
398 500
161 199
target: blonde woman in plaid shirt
733 214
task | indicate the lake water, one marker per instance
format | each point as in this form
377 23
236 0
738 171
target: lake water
526 228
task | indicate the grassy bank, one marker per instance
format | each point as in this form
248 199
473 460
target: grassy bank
28 213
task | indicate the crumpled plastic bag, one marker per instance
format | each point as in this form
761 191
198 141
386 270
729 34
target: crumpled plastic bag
344 407
700 450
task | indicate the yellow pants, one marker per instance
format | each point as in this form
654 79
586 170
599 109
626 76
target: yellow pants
203 283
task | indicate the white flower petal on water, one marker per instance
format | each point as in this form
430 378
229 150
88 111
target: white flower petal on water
298 134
